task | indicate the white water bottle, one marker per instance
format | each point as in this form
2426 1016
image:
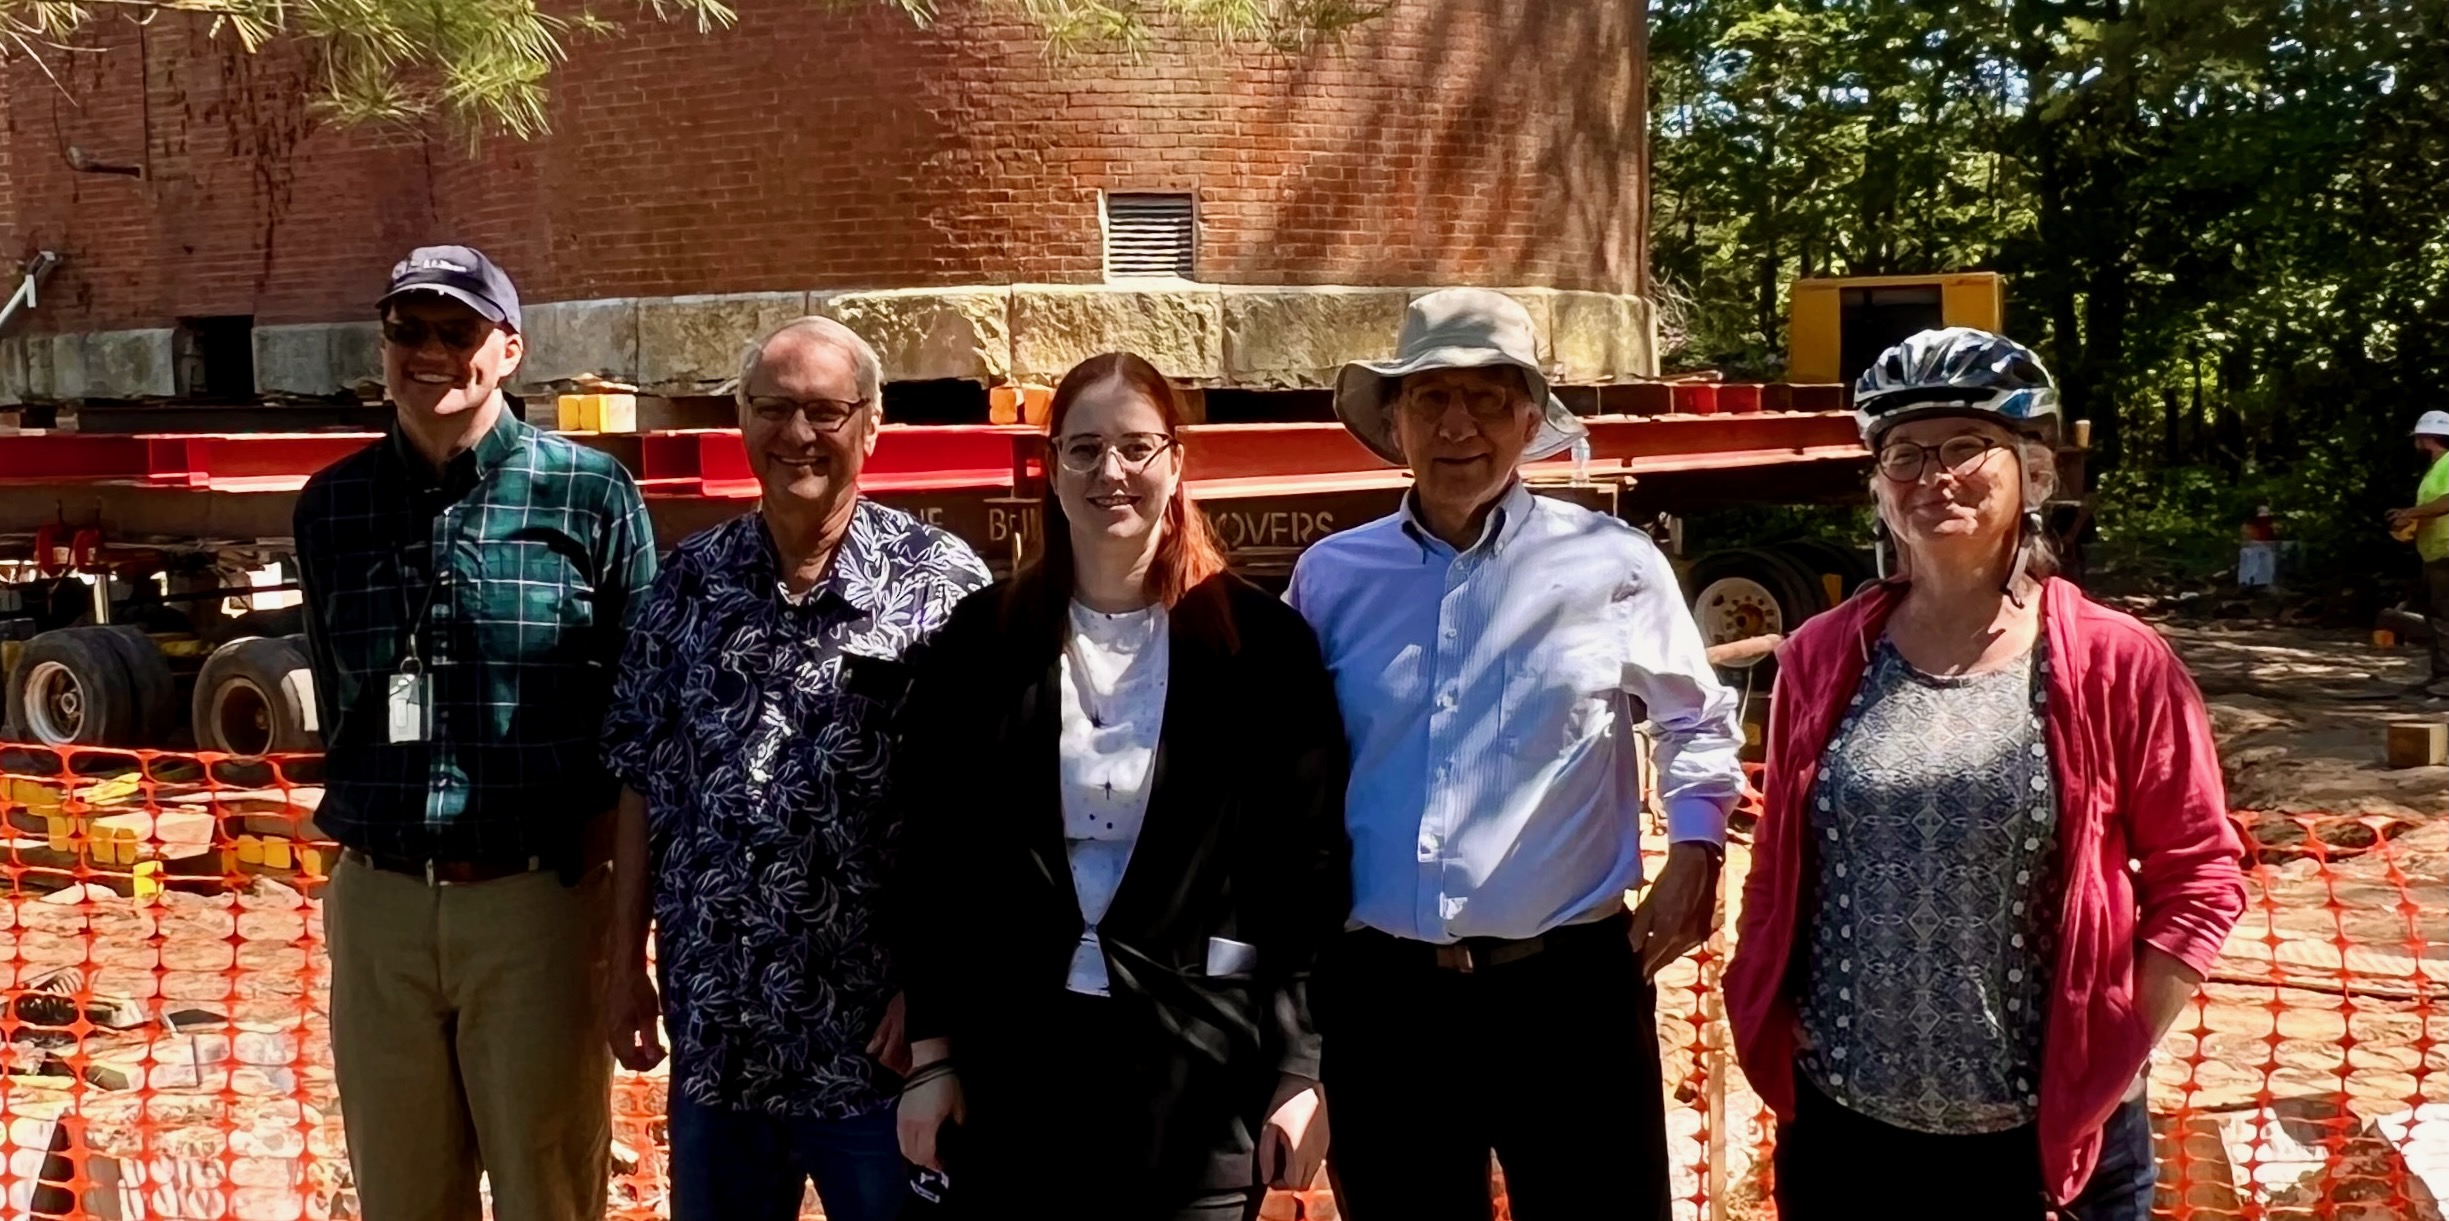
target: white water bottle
1581 461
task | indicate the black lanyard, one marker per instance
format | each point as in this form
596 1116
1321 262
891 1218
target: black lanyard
414 618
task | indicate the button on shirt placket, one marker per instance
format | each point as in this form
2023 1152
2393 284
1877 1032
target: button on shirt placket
1442 877
433 649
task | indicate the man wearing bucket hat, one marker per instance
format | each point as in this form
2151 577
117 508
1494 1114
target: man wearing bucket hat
2429 519
1492 651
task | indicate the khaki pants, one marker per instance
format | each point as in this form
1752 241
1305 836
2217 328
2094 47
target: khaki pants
2436 592
467 1036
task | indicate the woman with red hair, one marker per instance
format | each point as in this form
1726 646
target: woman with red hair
1121 784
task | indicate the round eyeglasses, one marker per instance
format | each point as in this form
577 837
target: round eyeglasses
824 415
1084 453
1905 461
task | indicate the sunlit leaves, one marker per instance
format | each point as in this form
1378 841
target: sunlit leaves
2240 207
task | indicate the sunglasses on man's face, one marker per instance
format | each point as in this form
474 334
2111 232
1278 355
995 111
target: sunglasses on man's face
457 334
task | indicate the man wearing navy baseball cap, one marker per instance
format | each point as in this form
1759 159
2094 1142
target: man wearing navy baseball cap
460 273
469 582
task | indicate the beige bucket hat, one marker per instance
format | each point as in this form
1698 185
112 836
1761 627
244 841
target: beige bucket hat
1452 328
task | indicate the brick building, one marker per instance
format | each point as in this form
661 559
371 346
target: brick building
1250 218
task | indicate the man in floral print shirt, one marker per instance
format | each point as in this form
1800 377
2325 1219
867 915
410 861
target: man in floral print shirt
750 728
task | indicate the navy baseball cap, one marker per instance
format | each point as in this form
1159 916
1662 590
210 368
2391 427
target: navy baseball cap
461 273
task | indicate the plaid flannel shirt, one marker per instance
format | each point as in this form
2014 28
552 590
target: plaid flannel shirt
516 573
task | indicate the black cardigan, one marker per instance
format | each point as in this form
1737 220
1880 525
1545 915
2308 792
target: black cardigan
1244 839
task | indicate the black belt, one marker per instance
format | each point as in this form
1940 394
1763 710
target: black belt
435 872
1483 953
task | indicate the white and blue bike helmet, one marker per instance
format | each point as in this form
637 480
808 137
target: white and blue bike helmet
1957 371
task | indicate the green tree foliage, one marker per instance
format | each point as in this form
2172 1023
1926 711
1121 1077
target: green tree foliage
483 64
2225 223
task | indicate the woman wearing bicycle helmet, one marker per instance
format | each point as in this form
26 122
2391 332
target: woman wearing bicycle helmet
1945 962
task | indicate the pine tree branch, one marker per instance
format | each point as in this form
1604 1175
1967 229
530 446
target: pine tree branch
483 66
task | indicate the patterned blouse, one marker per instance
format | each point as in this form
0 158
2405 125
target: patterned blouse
1935 822
756 726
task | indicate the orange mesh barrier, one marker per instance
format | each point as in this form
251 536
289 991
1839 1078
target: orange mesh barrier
167 1054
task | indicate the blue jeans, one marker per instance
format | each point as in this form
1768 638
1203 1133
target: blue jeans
2121 1188
730 1165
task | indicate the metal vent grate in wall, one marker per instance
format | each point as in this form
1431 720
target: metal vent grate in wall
1149 234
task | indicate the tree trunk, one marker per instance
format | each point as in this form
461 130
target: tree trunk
2228 433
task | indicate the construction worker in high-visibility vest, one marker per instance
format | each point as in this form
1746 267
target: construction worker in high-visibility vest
2428 517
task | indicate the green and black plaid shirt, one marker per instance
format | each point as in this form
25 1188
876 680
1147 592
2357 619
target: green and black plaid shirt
518 572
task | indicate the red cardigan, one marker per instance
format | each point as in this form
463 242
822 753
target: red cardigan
2138 780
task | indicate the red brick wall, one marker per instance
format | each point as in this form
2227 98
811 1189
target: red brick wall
1454 141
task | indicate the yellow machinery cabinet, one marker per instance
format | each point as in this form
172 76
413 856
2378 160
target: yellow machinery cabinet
1838 327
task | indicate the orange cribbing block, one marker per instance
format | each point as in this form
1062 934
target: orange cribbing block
1022 403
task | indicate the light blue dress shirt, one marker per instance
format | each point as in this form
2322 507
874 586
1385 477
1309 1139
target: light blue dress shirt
1489 698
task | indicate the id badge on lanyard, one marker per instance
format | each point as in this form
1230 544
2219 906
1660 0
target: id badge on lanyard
410 692
411 701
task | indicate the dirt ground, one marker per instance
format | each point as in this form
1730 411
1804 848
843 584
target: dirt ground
2350 910
2300 715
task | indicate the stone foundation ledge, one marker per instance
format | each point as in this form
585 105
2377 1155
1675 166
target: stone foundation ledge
1212 336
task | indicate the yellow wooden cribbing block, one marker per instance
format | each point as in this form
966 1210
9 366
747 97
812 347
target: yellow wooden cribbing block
40 796
596 412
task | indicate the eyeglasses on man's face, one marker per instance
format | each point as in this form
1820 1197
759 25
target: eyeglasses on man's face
824 415
1084 453
1484 404
1905 461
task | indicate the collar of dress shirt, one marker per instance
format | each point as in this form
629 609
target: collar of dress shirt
856 575
1504 524
466 469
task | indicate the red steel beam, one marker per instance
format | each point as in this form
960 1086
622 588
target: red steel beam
216 460
713 462
1284 451
51 457
911 457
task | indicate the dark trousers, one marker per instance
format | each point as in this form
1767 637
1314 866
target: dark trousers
730 1165
1839 1164
1550 1062
2436 596
1088 1124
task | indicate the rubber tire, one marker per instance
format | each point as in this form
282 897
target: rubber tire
157 692
1854 569
152 617
97 660
1796 591
262 662
287 621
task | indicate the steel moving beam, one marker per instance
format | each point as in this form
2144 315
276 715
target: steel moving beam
1268 485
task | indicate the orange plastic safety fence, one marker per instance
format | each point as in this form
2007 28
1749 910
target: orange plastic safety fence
167 1054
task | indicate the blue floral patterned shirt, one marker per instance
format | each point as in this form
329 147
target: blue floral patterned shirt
758 728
